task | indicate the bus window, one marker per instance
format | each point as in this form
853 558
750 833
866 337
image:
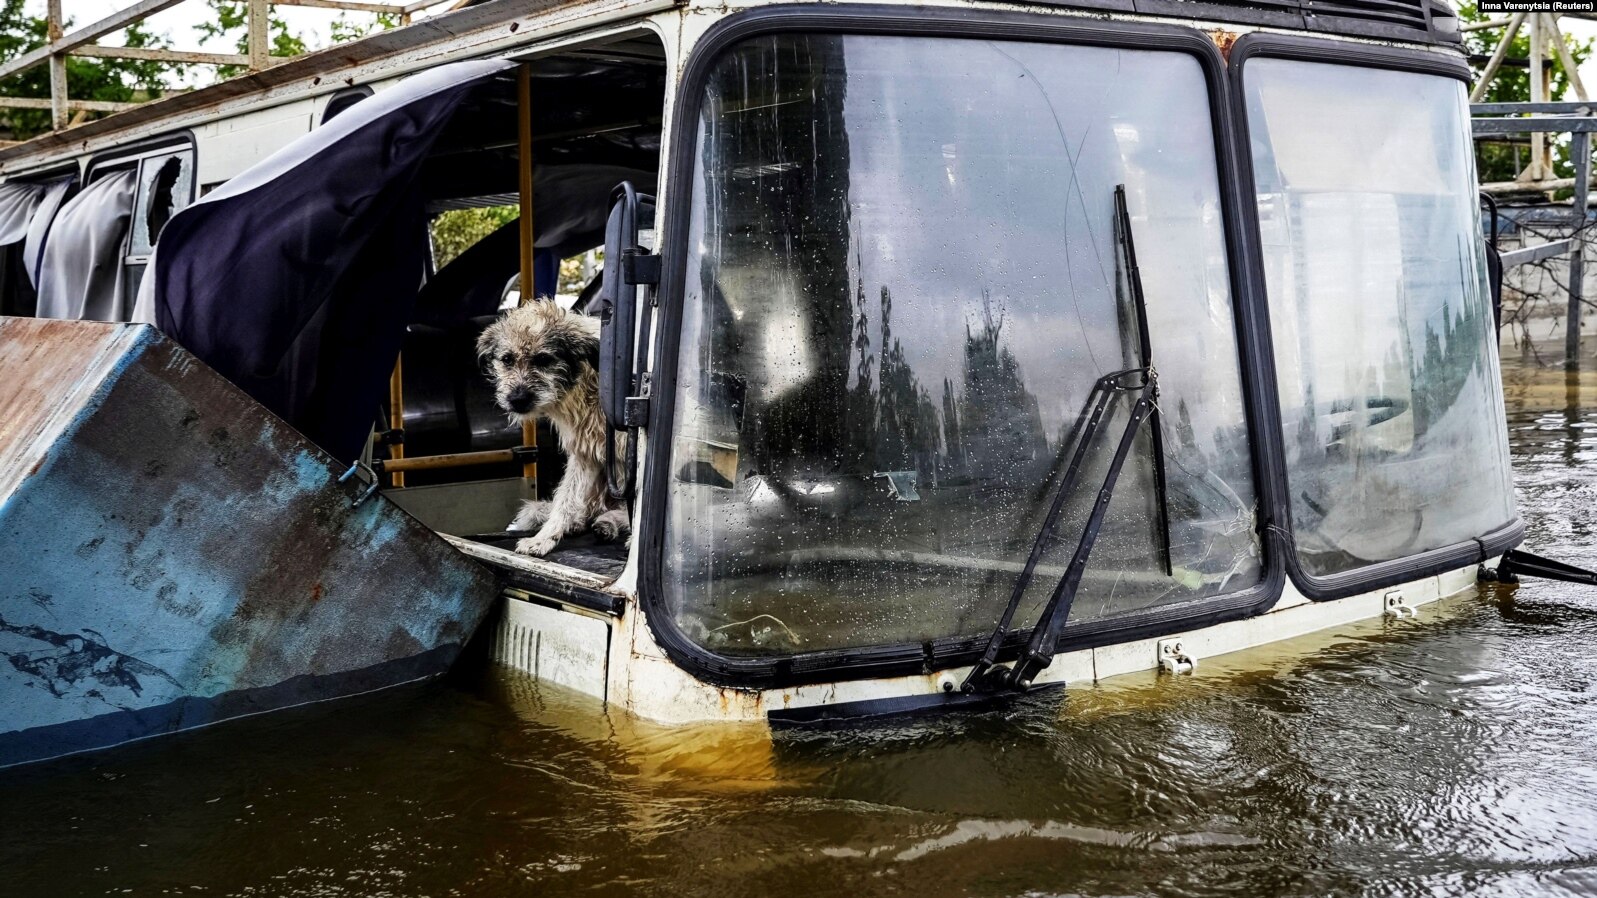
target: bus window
166 185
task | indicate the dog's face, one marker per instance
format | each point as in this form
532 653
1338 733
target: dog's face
536 354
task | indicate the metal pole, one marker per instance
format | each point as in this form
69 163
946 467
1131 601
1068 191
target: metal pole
1538 143
397 467
88 34
524 158
1580 150
58 68
160 55
259 24
529 429
396 415
45 103
1498 55
1500 188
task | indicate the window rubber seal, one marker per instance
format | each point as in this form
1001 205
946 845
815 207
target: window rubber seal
906 659
1445 63
132 152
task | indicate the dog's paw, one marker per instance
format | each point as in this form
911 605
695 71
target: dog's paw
612 525
532 516
539 545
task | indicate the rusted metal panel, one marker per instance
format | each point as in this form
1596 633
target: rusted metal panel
50 368
172 555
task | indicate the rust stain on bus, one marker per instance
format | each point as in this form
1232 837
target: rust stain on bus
1223 39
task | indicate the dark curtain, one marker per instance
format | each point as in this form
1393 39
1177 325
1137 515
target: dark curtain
296 279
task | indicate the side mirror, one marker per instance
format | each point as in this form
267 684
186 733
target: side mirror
627 266
1494 261
1494 281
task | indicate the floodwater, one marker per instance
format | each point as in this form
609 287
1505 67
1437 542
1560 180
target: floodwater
1452 754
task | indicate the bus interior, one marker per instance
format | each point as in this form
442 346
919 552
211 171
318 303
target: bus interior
437 444
596 116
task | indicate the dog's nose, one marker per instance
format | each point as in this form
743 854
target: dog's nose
520 402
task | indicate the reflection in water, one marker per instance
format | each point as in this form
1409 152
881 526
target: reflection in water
1450 755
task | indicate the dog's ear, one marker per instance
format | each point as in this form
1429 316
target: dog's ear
486 341
489 343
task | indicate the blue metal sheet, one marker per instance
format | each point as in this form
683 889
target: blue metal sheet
172 554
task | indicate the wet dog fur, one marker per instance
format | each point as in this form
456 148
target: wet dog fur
543 362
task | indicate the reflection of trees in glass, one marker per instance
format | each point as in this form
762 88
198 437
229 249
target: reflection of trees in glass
862 396
999 424
891 425
1449 357
1425 379
1186 437
991 421
907 426
954 459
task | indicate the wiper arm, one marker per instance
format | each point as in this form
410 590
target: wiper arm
1039 651
1045 634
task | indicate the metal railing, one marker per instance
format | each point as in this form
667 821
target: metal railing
1578 120
81 42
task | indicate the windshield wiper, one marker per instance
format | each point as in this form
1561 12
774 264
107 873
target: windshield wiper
986 676
1045 635
1139 310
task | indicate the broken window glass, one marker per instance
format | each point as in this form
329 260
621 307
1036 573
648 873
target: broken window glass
166 185
903 282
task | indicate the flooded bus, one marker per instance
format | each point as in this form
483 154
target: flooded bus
948 351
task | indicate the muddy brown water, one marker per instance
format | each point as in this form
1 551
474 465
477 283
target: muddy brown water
1452 754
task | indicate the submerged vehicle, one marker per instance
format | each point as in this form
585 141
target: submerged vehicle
963 348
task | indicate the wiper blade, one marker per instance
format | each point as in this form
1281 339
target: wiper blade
1039 650
1139 310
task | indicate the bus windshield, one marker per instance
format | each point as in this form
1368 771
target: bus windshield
1380 315
902 284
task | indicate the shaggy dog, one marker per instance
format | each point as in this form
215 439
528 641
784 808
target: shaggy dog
544 363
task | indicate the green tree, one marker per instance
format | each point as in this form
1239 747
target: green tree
456 230
1511 84
345 29
232 19
116 80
